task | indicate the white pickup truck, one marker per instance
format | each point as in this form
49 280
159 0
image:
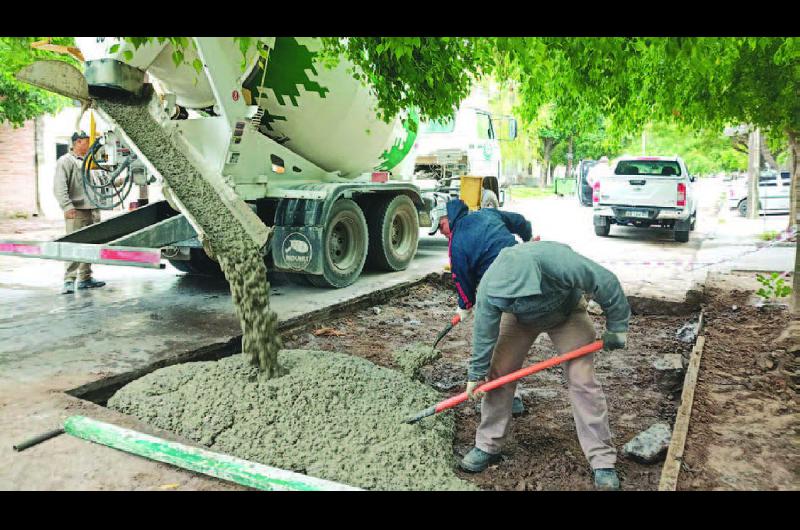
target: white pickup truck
645 191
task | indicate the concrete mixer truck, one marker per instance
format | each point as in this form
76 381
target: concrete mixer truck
295 150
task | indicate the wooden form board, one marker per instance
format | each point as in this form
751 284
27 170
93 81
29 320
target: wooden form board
672 464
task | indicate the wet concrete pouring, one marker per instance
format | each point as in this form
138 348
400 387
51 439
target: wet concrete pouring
542 451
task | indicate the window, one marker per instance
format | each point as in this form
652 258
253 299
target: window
441 126
61 150
648 167
768 181
485 130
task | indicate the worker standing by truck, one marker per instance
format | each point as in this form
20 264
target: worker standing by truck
530 289
475 241
78 210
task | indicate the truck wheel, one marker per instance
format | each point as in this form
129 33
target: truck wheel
694 222
603 230
393 234
198 263
344 245
489 199
681 236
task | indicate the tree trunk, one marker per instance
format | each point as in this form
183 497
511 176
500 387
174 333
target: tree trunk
753 172
794 154
548 151
766 156
38 158
569 158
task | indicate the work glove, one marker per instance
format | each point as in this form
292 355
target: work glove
471 387
614 340
464 314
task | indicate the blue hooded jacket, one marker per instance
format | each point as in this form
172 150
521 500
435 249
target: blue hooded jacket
475 241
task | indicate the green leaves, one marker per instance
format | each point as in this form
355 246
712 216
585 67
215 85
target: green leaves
177 58
20 102
774 287
431 74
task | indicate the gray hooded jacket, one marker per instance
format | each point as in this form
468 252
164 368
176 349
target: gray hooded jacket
540 282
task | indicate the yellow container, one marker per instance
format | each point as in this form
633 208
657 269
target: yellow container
471 191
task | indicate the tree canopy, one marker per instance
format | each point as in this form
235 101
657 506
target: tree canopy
19 101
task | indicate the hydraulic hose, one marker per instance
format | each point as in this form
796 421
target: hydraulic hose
105 194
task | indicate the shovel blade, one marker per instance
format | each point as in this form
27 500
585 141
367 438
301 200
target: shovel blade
56 76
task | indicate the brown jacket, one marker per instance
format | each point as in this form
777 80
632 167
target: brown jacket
68 184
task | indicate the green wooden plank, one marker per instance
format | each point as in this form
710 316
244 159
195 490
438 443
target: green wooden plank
217 465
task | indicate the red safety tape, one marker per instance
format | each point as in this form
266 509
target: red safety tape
130 255
20 249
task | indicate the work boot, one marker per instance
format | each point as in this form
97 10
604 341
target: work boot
606 479
90 284
69 287
477 460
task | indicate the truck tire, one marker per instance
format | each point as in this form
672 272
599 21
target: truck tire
198 263
681 236
393 234
694 222
489 199
344 246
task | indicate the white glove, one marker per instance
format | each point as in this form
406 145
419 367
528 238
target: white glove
471 387
464 314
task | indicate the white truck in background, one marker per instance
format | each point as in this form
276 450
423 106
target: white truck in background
646 191
465 144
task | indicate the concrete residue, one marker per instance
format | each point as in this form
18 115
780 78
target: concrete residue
333 416
240 259
413 357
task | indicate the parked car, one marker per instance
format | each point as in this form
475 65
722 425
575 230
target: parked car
773 193
646 191
583 187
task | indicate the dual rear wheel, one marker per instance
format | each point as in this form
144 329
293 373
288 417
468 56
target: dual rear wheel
385 239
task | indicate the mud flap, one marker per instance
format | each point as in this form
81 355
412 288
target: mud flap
683 225
296 244
297 248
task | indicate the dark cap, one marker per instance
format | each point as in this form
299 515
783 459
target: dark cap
78 136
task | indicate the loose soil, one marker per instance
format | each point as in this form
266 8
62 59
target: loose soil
542 452
743 433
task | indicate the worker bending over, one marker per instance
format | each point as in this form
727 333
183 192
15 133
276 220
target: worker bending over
529 289
475 241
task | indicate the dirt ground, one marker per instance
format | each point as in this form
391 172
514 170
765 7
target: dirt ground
542 452
743 432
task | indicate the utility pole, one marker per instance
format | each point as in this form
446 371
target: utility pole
753 172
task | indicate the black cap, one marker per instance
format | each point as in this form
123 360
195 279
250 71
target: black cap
78 136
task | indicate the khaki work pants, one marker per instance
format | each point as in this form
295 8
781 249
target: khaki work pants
585 393
73 269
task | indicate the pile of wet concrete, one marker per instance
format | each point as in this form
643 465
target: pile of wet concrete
332 416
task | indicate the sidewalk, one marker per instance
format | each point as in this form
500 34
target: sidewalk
736 244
